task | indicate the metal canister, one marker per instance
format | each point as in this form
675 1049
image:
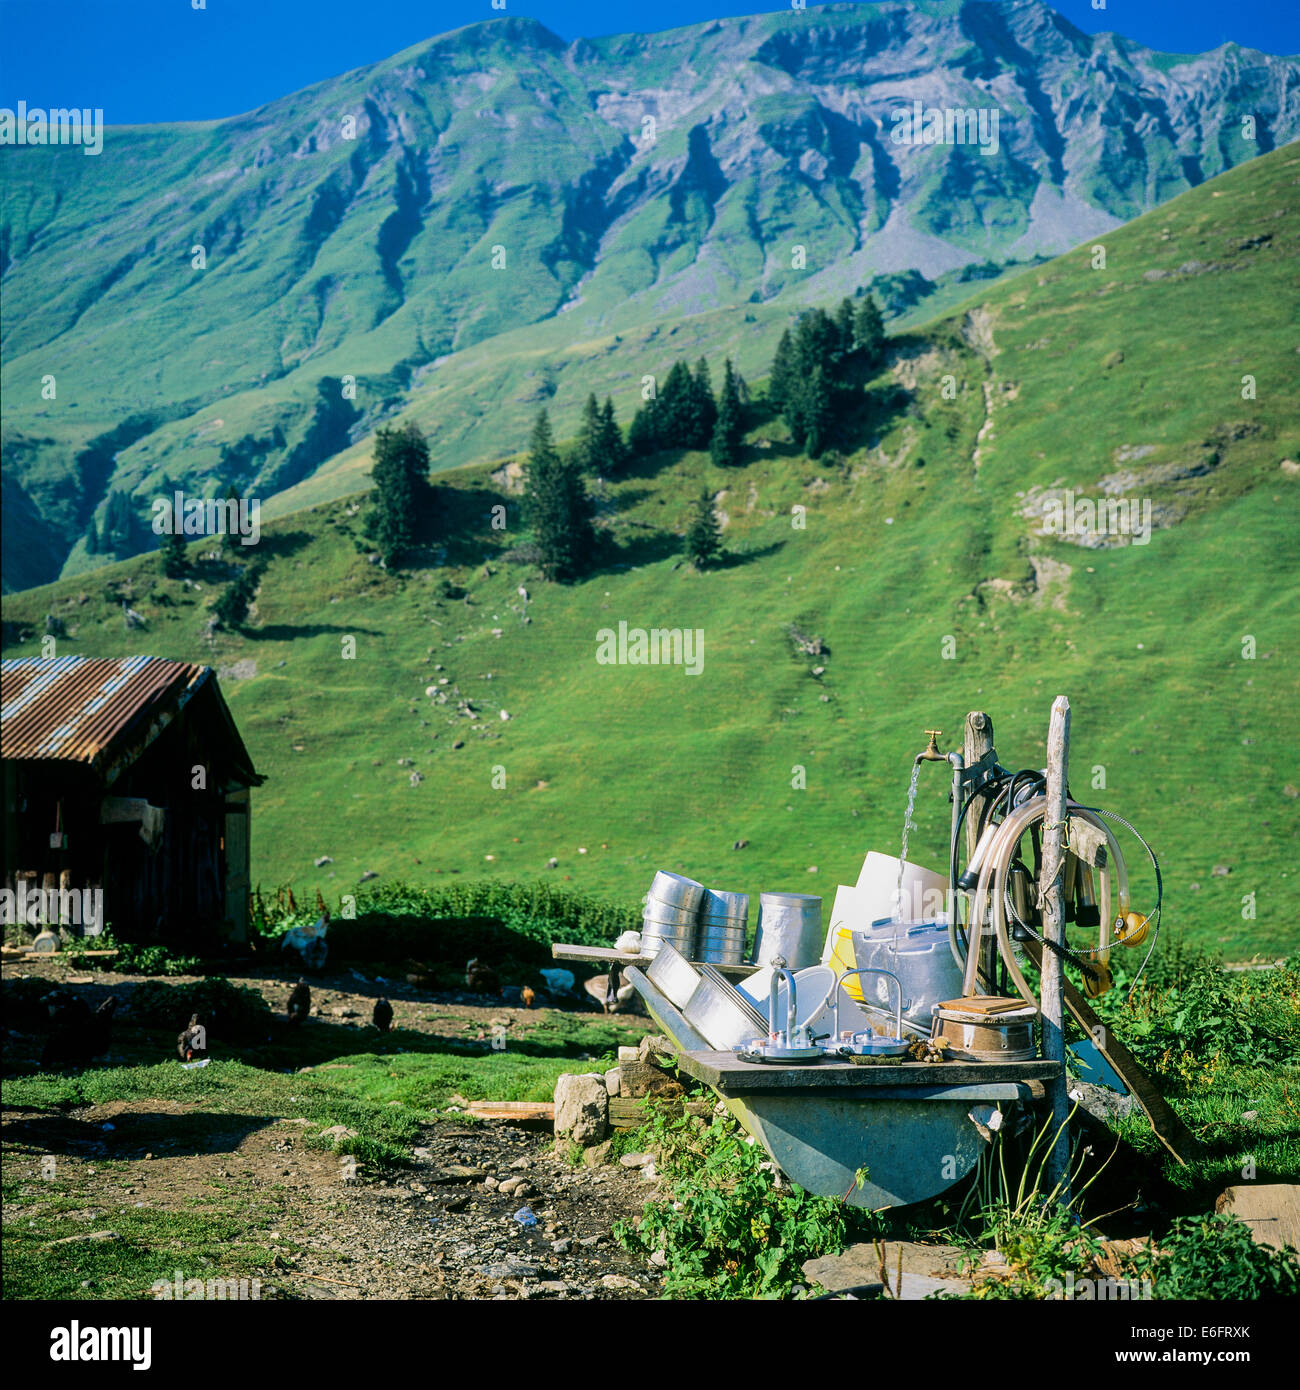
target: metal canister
720 933
789 925
674 890
671 907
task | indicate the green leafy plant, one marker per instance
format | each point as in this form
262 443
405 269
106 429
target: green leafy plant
1215 1257
730 1230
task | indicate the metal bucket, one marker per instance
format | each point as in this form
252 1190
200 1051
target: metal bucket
721 945
679 935
656 910
716 902
676 891
721 1016
789 925
673 975
720 932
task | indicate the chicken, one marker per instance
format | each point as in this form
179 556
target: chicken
382 1017
193 1042
481 979
526 996
299 1005
77 1036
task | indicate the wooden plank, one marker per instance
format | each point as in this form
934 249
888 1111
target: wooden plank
1169 1129
513 1110
609 955
727 1074
1051 902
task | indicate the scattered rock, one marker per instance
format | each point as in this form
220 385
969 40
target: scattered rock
460 1172
598 1153
636 1160
323 860
582 1107
1220 871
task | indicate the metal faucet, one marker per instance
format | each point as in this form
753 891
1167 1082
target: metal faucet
930 753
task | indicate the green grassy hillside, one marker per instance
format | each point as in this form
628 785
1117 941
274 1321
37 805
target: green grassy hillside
919 565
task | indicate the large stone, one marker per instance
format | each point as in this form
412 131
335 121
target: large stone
926 1269
612 1082
1271 1210
582 1107
654 1045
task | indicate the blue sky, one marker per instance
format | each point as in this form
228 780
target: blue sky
160 60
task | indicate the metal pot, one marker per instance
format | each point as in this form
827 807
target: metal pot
921 958
720 1015
673 975
789 925
676 891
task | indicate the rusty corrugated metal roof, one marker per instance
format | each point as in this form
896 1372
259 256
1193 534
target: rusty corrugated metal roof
76 708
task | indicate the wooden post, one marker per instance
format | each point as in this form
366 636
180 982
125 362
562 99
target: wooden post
1051 896
978 743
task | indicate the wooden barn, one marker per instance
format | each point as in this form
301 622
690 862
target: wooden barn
127 776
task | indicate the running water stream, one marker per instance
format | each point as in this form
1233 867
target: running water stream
908 824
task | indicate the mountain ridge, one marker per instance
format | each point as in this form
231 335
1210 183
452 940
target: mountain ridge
371 258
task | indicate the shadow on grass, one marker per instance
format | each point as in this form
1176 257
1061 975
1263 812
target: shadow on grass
287 632
182 1134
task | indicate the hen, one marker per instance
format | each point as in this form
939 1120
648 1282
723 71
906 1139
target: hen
299 1005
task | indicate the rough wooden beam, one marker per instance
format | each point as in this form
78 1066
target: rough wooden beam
1051 895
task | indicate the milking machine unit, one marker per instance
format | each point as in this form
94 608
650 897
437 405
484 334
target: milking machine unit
1000 892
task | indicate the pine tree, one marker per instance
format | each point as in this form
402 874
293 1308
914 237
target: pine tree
676 408
587 449
226 540
175 560
557 507
703 412
869 331
729 428
613 452
400 473
703 544
844 328
778 386
231 608
645 434
818 415
92 537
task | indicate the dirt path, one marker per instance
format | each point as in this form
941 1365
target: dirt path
440 1229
